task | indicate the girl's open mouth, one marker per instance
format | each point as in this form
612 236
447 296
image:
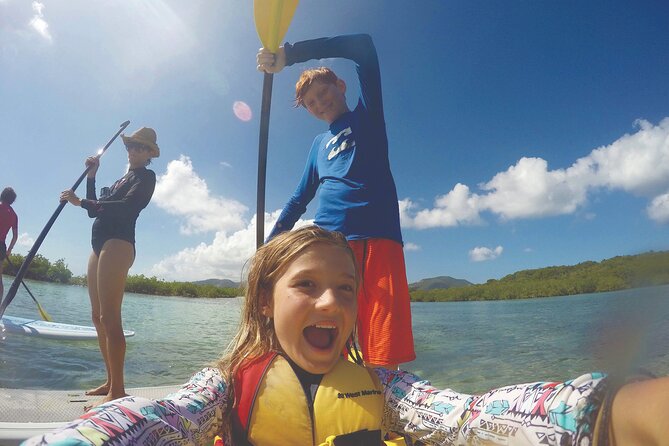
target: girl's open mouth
321 336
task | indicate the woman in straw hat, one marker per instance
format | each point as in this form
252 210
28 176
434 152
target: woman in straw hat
113 240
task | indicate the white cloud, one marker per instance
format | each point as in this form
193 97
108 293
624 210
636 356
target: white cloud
225 257
658 209
529 189
25 240
636 164
408 246
481 253
181 192
457 207
38 23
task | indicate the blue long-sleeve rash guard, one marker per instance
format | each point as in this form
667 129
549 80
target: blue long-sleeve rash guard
348 165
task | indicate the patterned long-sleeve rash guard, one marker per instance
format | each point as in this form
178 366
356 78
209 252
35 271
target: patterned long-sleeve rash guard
541 413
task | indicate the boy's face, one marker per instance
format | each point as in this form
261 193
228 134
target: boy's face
314 306
326 101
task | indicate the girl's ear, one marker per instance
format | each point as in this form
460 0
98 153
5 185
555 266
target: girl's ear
266 311
267 308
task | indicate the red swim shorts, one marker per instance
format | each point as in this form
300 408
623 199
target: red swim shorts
384 312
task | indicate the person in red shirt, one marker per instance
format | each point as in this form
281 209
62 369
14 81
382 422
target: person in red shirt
8 220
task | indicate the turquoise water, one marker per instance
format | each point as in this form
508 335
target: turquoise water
468 346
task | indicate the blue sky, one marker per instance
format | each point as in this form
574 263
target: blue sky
523 134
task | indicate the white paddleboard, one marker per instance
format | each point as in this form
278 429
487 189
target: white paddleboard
35 327
25 413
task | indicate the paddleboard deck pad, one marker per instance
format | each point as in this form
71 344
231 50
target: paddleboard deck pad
24 413
55 330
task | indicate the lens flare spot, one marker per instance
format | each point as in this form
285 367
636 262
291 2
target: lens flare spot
242 111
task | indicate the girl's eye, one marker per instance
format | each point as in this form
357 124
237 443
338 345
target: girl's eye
347 287
305 283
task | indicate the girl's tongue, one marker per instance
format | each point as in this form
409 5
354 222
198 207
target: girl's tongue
320 337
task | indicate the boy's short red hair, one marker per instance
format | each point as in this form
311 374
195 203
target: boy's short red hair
308 77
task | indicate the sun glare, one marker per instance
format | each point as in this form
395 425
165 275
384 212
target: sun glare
242 111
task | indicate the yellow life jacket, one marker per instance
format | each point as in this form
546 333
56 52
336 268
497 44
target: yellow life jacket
272 409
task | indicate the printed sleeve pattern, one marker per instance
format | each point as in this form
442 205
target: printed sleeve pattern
191 416
551 413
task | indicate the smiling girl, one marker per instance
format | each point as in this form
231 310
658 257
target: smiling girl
283 381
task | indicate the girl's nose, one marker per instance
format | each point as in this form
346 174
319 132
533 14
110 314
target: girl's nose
328 300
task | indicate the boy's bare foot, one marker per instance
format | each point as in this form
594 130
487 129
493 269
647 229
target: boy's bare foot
100 390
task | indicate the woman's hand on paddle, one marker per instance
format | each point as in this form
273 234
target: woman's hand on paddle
271 62
92 162
70 196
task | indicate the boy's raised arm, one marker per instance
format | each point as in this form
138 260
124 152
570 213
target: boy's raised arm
358 48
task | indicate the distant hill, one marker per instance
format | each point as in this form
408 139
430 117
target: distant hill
617 273
222 283
441 282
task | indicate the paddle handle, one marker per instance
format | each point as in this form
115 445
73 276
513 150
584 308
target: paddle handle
262 157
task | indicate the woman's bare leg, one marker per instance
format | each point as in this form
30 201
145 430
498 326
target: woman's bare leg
115 260
639 414
103 389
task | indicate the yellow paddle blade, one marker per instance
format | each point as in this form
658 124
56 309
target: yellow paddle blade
44 314
272 19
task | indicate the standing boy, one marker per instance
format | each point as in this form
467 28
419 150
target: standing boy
8 220
348 165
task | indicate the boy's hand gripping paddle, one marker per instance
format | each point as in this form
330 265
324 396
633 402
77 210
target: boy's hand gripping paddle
272 18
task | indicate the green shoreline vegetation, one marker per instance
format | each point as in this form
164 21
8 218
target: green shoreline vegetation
43 270
617 273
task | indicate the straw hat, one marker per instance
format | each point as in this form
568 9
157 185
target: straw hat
145 136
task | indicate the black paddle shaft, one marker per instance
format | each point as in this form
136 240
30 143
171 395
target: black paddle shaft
31 254
24 284
262 157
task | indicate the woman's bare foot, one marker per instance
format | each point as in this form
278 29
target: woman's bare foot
109 398
106 399
103 389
